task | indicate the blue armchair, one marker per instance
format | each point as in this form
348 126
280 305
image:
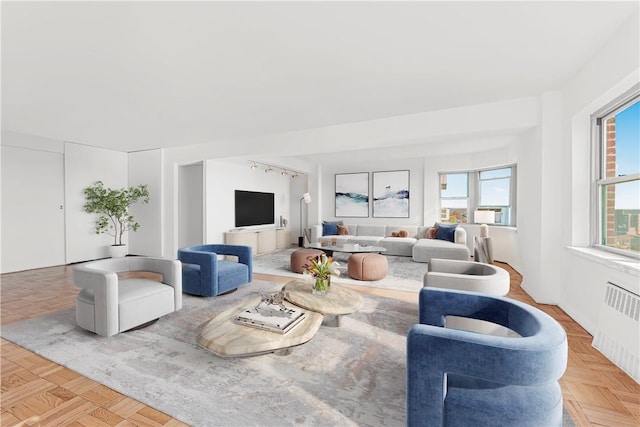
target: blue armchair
463 378
205 275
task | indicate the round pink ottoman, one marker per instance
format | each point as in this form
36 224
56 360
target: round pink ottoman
366 266
299 258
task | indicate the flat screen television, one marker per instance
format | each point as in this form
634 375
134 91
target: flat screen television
254 208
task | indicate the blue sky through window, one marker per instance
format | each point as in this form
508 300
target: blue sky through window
628 155
457 185
494 192
494 187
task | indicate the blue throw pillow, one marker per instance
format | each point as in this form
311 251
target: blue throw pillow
329 229
446 232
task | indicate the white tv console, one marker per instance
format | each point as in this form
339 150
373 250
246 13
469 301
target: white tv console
262 240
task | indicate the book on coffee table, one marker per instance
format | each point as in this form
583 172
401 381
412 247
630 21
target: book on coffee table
270 319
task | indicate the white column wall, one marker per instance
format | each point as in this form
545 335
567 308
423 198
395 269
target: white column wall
529 243
146 167
546 284
191 202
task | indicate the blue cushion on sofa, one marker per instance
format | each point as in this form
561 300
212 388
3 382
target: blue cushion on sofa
446 232
330 228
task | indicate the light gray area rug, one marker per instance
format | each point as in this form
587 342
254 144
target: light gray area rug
353 375
404 274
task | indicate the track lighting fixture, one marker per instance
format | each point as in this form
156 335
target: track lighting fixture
268 168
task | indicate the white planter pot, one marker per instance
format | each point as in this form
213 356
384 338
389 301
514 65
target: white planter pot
117 251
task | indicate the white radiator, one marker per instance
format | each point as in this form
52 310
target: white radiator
618 332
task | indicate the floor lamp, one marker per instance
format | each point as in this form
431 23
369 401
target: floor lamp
306 197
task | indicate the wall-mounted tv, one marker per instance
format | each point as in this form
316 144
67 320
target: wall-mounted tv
254 208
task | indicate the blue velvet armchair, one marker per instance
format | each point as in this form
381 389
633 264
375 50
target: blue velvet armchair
205 275
462 378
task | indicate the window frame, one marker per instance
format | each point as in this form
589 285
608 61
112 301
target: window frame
465 198
599 179
473 192
511 208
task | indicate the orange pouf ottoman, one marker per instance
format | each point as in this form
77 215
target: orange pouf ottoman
299 258
367 266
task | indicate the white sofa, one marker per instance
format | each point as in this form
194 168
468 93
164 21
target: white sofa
426 249
416 245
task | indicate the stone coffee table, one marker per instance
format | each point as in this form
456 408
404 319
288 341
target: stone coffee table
338 301
349 248
225 338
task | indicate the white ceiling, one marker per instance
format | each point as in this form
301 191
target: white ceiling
140 75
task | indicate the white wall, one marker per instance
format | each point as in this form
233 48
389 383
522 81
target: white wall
542 274
31 142
32 208
529 245
85 165
191 201
416 189
614 70
223 177
145 167
82 166
585 276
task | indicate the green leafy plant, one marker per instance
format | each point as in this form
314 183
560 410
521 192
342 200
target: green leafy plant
113 208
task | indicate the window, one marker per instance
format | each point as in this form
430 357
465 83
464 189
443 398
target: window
495 193
618 180
463 193
454 197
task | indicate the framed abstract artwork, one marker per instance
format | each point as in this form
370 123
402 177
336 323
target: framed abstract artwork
352 195
391 194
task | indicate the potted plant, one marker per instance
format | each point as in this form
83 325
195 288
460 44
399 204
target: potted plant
113 208
321 267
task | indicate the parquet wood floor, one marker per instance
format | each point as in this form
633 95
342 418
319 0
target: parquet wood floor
38 392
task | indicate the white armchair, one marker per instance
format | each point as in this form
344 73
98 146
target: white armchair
108 305
470 276
467 276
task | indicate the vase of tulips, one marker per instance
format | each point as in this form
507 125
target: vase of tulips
321 267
